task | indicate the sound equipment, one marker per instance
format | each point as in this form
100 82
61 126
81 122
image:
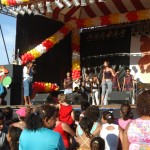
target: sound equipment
119 97
74 98
42 98
13 95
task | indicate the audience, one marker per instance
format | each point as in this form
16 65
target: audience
66 113
64 130
13 137
8 113
3 132
38 134
110 132
84 140
126 116
137 132
97 143
22 113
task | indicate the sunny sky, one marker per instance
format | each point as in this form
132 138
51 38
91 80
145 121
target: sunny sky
8 25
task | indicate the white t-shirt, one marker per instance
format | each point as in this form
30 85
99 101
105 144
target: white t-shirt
25 74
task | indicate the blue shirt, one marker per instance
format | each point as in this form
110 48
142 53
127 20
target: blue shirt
42 139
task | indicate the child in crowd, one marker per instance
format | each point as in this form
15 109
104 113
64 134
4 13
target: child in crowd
3 132
97 143
66 113
8 113
84 106
126 116
22 113
13 137
110 132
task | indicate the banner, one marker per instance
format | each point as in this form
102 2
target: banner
140 57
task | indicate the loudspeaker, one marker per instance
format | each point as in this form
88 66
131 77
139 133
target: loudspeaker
13 94
119 97
42 98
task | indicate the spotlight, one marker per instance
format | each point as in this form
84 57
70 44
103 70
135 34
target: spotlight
20 11
83 3
27 10
34 10
91 1
13 12
49 7
67 3
76 3
41 8
59 4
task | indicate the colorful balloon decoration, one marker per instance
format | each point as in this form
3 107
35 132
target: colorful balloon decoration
44 87
13 2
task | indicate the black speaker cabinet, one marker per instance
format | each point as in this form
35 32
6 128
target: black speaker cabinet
12 95
42 98
119 97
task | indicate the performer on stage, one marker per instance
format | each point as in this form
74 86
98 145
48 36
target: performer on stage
95 91
106 82
86 84
128 81
27 82
115 83
68 84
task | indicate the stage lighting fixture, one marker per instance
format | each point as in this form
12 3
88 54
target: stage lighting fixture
59 4
27 10
34 10
13 12
83 3
67 3
91 1
41 8
76 3
20 10
49 7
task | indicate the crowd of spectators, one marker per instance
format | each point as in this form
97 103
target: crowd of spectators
59 127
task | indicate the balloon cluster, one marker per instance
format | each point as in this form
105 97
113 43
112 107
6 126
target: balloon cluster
45 45
13 2
76 69
44 87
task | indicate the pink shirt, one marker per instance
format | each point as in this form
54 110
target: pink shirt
139 134
123 123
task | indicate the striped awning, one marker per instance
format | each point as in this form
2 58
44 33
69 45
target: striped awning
97 9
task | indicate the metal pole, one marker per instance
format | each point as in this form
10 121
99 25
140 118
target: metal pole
4 45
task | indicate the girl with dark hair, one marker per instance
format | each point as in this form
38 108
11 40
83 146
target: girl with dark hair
38 134
97 143
84 140
126 116
137 132
13 137
106 82
110 132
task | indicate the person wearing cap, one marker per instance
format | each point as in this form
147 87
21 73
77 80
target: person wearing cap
22 113
27 82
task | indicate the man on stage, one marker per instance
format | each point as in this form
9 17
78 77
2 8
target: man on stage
68 84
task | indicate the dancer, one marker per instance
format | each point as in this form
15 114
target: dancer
95 91
115 83
27 82
68 84
128 81
106 82
86 84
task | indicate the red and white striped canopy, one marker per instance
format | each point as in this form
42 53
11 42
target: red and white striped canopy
98 9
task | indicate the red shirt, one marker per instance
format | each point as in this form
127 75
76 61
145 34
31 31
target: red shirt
64 134
65 114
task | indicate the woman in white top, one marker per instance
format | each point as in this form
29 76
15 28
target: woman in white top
111 133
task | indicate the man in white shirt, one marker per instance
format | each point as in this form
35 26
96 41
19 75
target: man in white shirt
27 82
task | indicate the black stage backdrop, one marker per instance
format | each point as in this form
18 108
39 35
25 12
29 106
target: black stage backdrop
53 65
97 47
